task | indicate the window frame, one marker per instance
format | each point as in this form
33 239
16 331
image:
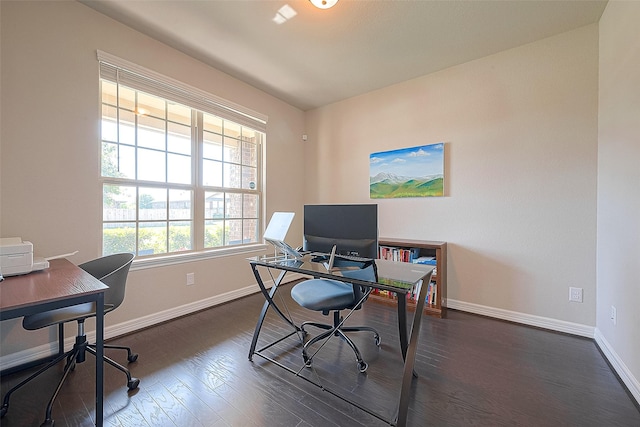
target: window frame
170 90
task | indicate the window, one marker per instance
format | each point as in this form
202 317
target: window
181 169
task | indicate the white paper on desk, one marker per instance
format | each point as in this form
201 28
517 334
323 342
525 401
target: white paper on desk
61 256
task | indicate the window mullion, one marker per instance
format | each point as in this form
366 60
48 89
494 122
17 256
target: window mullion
198 194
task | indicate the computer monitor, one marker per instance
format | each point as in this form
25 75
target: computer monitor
352 228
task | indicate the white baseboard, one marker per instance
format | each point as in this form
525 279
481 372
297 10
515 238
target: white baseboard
28 355
619 366
527 319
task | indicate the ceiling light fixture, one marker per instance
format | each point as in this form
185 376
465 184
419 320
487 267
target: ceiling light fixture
323 4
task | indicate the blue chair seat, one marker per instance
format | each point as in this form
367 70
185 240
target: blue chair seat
323 294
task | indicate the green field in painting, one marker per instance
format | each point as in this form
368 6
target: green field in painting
410 188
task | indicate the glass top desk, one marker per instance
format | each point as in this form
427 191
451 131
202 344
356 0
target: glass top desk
398 277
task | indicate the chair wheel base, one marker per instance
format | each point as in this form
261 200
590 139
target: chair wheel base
133 383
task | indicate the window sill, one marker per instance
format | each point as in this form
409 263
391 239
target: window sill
166 260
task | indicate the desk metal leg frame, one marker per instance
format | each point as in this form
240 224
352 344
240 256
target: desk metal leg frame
408 348
297 330
263 313
410 355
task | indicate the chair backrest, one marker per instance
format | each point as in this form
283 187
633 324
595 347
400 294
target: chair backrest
112 270
367 271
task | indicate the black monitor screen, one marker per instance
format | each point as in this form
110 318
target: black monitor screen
352 228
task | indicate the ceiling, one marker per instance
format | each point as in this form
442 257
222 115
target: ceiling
318 57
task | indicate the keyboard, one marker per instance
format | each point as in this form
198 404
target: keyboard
353 258
323 256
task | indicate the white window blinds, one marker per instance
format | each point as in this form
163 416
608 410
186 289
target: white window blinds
136 77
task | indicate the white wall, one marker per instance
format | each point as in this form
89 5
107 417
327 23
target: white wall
520 210
51 193
618 247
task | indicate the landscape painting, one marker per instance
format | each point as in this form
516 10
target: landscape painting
407 172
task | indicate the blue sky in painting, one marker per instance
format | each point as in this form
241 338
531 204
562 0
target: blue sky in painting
412 162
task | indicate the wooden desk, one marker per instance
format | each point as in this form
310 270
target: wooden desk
63 284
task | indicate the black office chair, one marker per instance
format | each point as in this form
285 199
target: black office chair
328 295
112 270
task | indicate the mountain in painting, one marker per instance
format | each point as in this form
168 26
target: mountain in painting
387 185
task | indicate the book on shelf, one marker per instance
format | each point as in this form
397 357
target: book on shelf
415 292
428 260
432 293
430 298
393 253
412 296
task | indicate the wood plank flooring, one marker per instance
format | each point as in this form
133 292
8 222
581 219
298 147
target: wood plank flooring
474 371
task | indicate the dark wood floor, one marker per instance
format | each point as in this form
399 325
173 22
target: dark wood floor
474 371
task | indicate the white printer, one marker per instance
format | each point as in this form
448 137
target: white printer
16 257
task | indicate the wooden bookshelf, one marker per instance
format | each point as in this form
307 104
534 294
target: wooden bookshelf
439 278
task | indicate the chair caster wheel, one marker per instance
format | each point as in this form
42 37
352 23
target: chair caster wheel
362 366
4 410
133 383
377 340
133 357
47 423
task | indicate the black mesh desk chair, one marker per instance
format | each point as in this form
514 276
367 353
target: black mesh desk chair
328 295
112 270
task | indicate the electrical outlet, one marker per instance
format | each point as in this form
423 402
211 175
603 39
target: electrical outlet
614 315
575 294
191 279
